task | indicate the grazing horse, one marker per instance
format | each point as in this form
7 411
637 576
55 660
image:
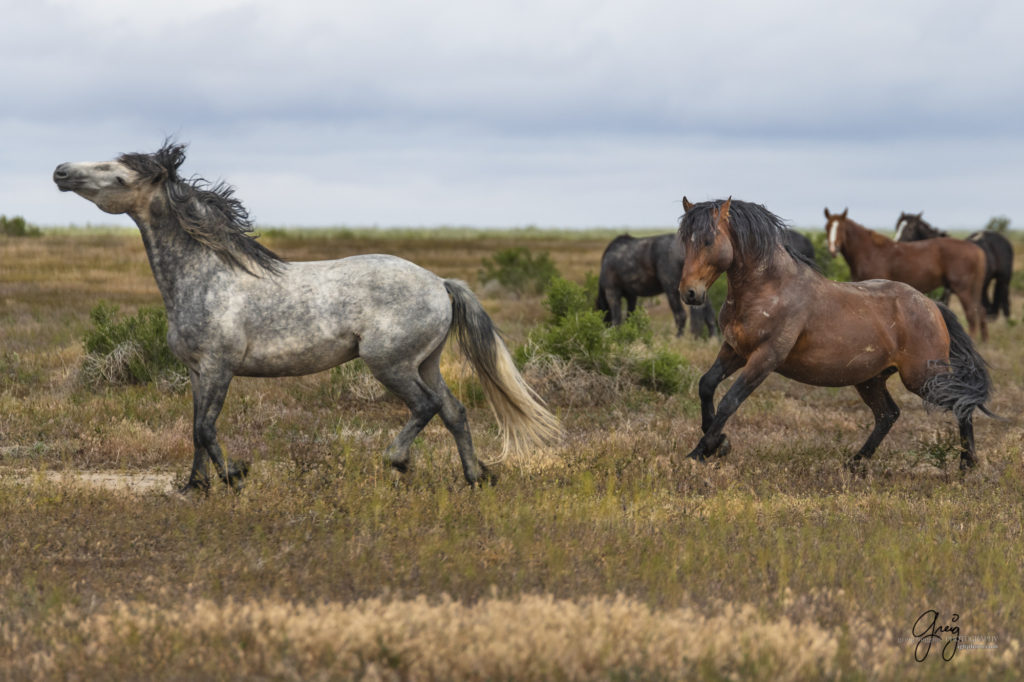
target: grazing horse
782 315
648 266
234 308
925 265
998 259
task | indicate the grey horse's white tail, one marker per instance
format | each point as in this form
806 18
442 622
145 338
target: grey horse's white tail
523 420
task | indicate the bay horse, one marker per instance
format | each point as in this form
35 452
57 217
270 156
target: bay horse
235 308
912 227
647 266
782 315
924 265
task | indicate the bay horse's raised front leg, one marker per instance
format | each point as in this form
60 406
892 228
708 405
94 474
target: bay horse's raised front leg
209 390
757 367
885 410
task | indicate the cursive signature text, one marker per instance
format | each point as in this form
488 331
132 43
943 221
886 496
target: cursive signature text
927 630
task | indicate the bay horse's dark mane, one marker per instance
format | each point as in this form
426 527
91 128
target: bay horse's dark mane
757 232
918 223
207 212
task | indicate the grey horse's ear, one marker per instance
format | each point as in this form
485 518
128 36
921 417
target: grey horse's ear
687 205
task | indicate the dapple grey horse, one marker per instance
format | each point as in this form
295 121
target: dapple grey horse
234 308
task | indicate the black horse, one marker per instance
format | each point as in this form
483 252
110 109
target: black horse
648 266
998 259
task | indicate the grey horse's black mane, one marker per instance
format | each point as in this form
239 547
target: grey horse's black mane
756 230
208 212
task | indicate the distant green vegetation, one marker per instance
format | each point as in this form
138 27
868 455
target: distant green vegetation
17 227
998 224
516 269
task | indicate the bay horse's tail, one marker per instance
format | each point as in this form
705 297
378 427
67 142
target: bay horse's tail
523 420
966 385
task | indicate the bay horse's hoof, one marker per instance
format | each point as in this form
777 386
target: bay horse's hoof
697 456
857 466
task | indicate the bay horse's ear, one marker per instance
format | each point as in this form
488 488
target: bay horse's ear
686 205
828 216
724 210
920 214
843 214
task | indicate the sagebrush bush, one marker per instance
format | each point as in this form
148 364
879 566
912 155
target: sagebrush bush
576 333
131 349
517 270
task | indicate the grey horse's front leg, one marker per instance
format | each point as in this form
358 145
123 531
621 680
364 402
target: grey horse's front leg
209 389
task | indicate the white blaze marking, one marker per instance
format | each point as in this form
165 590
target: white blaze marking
833 229
899 230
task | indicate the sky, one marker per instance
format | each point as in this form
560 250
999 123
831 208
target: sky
553 113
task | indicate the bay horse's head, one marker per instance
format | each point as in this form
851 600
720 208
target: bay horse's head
709 251
906 227
834 230
124 185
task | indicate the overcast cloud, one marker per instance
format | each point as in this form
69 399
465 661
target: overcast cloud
554 113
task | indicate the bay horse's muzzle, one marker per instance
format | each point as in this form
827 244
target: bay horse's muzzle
694 295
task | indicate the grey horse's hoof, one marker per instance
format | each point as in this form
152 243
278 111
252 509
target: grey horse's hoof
237 471
194 486
487 477
724 447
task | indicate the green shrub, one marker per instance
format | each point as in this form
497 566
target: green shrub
836 268
576 333
998 224
517 270
17 227
130 350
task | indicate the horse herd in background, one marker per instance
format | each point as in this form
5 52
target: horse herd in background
235 308
649 266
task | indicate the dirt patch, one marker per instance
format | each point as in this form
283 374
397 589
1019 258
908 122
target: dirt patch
131 483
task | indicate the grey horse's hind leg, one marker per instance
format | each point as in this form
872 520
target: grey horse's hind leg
422 402
453 414
208 393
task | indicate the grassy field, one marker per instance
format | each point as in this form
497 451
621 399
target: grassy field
599 560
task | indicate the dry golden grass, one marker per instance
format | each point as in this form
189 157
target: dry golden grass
604 562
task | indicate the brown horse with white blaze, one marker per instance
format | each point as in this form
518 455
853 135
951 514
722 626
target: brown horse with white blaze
782 315
924 265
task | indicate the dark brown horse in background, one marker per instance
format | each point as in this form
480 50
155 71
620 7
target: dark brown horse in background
925 265
782 315
913 227
648 266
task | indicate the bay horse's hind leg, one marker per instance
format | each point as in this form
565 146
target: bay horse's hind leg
453 414
874 393
967 457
